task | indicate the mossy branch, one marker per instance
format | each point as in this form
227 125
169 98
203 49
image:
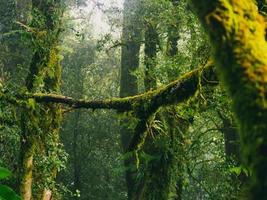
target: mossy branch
115 103
143 106
175 92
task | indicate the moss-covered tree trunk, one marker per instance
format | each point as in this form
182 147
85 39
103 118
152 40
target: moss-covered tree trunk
151 43
180 126
131 37
40 124
163 176
237 32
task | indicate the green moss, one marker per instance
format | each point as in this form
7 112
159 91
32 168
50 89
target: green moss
237 32
41 122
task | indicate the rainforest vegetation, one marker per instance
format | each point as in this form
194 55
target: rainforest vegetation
133 99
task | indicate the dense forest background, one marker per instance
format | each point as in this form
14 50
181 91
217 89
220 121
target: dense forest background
69 130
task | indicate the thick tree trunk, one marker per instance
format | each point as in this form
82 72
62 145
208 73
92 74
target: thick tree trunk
26 172
37 121
237 32
131 37
151 41
163 176
172 51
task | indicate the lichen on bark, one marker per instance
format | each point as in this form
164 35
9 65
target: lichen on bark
237 32
41 122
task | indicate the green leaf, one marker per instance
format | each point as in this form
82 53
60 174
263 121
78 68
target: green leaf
7 193
236 170
247 171
4 173
51 73
31 103
239 170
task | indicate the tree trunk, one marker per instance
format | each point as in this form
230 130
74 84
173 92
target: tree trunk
231 139
38 121
173 35
27 149
151 42
163 176
237 32
131 37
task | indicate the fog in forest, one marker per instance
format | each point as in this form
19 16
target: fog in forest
133 99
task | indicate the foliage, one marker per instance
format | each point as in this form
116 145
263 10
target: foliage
6 193
185 148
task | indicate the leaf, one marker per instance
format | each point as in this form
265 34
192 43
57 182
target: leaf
236 170
247 172
4 173
7 193
51 73
239 170
31 103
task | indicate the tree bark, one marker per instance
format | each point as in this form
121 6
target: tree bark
163 176
175 92
131 37
151 43
40 122
231 139
237 32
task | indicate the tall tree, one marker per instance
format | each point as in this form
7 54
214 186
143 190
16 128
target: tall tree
163 176
237 32
40 124
131 38
151 48
173 34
